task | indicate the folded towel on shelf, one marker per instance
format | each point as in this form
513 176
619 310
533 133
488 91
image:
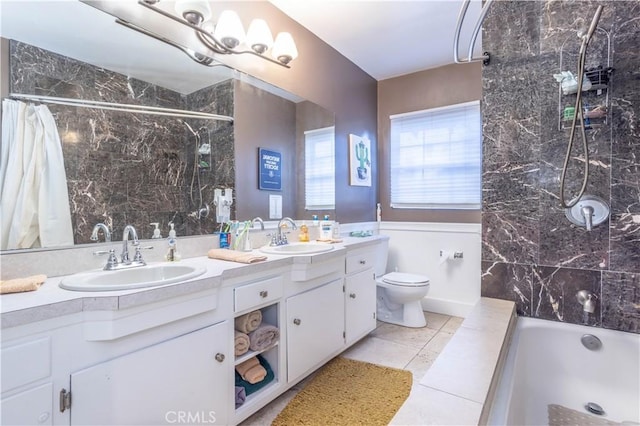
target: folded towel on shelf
251 388
19 285
248 322
251 371
263 337
245 366
241 396
235 256
241 343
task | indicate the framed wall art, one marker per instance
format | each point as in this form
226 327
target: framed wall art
359 161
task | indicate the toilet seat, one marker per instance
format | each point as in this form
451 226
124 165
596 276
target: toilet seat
405 280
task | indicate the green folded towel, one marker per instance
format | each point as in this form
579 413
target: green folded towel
361 233
248 387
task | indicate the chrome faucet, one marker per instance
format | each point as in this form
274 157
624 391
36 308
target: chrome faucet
259 220
105 232
129 229
280 238
125 262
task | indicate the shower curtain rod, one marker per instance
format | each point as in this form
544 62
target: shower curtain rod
122 107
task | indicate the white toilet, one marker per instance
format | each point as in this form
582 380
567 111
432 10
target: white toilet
398 293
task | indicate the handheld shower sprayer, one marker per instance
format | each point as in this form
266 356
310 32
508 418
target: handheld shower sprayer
578 121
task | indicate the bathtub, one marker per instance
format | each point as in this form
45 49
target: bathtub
548 365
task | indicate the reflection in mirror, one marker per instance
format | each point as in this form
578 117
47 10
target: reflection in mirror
125 168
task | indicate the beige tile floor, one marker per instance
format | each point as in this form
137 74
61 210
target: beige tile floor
412 349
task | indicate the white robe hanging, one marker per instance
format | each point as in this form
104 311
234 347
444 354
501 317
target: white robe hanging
34 202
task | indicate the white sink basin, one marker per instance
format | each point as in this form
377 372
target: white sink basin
297 249
125 279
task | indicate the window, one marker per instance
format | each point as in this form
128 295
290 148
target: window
436 158
319 169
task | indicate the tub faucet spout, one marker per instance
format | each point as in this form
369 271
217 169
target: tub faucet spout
588 301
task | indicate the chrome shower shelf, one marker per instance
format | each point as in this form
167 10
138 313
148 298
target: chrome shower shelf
599 78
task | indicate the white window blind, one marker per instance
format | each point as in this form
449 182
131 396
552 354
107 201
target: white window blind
319 169
436 158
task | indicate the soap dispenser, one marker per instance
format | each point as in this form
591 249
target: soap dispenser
156 232
172 253
325 229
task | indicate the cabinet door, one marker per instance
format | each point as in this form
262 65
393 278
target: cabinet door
31 407
360 305
182 380
315 327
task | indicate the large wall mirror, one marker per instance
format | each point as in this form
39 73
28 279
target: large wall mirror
128 168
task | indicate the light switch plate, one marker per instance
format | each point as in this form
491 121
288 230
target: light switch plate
275 206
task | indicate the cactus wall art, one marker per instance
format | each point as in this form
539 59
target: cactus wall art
359 161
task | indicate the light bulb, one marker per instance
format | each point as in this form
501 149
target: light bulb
229 30
284 48
194 11
259 36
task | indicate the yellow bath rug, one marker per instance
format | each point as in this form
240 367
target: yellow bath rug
348 392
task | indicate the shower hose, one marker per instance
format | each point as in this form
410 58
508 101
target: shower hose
577 116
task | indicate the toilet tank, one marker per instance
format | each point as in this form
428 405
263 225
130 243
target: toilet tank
382 255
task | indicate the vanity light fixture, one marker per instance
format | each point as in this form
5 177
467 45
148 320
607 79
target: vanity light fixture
227 36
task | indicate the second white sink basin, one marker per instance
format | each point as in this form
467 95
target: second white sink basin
125 279
297 249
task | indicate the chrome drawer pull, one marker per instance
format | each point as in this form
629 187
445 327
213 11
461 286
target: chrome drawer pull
352 295
363 262
219 357
264 293
297 321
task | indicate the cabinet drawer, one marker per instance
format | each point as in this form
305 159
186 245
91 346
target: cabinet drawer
258 293
25 363
360 260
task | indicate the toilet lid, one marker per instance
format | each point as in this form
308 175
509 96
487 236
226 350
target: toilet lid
407 280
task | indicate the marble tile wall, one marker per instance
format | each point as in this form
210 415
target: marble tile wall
124 168
531 253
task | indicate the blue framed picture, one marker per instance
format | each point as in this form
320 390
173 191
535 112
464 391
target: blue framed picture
270 170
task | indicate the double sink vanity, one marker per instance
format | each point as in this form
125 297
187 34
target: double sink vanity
159 347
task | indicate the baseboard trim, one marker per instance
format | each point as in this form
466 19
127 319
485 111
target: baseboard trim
447 307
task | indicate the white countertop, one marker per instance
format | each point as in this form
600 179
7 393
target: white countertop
51 301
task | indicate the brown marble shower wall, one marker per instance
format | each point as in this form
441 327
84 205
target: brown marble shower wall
125 168
531 253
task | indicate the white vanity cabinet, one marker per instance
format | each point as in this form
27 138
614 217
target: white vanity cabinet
181 380
26 378
315 327
360 294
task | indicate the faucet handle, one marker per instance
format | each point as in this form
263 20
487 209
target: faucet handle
112 261
137 257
